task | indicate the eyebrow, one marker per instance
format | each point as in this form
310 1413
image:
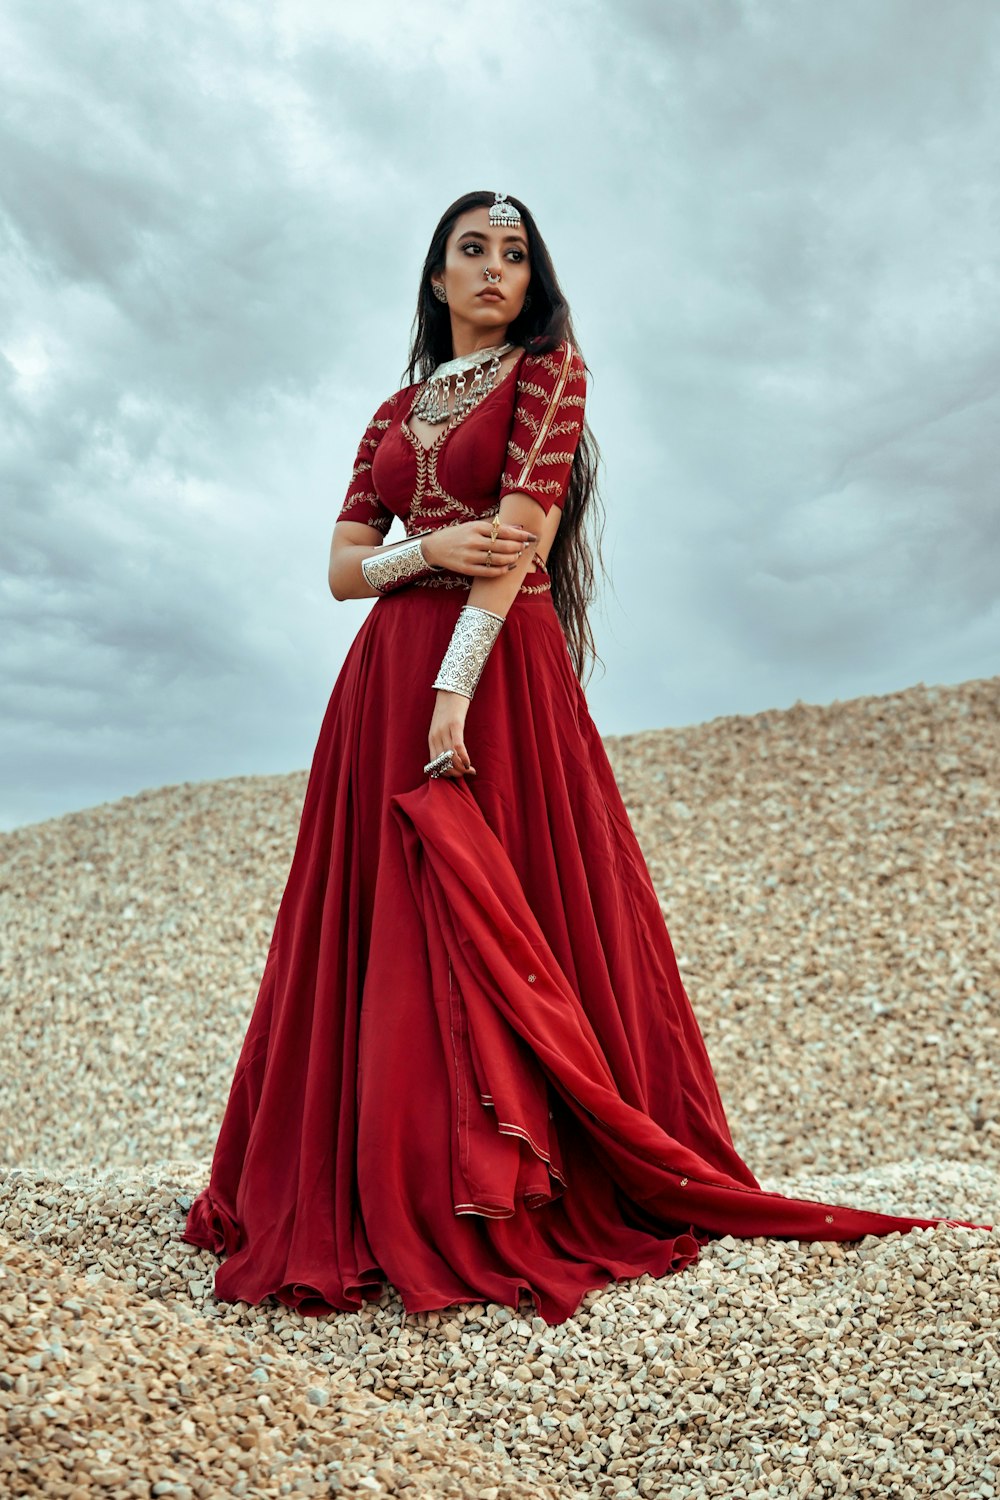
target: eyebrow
475 234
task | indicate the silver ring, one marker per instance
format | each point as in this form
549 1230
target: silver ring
440 763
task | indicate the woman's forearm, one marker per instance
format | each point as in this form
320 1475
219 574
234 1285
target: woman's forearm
473 636
498 594
347 578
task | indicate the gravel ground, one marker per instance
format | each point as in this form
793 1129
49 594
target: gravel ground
828 875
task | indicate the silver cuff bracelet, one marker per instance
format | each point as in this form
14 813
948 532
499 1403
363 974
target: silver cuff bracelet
471 642
399 565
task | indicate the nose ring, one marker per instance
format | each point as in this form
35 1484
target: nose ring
489 277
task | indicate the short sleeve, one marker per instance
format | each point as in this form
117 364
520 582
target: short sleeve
362 502
548 422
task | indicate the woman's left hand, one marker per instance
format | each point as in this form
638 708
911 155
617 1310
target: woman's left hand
447 732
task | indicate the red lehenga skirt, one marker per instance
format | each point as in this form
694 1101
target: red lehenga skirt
472 1069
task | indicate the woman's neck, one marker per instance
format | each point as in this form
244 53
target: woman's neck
470 342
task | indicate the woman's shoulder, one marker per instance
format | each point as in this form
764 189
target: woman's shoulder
392 405
557 356
553 366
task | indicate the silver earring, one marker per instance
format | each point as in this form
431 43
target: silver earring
527 299
439 292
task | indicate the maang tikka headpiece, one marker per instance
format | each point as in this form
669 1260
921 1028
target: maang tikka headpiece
503 213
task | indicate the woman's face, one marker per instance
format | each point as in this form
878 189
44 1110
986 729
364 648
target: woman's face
473 248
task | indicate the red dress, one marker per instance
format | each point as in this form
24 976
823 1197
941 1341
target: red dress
472 1069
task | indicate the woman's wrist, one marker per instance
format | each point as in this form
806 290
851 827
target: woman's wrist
472 640
399 565
429 546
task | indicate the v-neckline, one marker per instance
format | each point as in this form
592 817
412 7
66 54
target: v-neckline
451 424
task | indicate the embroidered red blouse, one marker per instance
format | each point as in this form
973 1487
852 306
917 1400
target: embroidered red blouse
522 436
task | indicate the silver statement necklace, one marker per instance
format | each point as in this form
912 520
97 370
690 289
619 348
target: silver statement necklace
432 403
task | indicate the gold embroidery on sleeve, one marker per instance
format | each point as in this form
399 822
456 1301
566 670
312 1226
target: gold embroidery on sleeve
547 420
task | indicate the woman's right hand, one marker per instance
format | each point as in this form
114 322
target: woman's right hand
462 548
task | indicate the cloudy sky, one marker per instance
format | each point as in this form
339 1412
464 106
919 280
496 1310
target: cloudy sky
778 225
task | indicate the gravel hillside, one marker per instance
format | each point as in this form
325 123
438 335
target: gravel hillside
829 876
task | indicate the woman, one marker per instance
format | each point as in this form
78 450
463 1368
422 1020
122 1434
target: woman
472 1069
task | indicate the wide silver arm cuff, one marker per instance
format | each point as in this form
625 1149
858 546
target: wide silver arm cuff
471 643
389 569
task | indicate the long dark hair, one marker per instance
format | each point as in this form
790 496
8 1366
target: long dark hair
539 328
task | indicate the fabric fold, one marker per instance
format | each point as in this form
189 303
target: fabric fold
474 905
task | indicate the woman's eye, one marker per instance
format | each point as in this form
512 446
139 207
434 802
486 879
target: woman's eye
473 245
